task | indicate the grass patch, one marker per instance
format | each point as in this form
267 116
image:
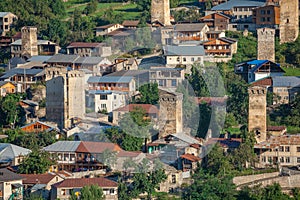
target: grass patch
291 71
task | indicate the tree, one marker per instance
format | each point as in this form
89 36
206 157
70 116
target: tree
38 161
11 113
91 192
149 94
91 7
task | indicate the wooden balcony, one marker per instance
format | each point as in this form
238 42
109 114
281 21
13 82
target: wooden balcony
189 38
122 89
220 51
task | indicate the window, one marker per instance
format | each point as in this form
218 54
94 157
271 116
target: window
103 97
268 12
184 59
287 159
103 106
262 12
192 59
263 159
174 83
298 159
6 27
287 149
268 19
115 97
111 191
262 19
173 178
298 149
5 19
282 159
281 148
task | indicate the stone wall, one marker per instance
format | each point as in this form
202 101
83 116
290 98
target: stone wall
289 21
266 44
29 41
160 11
257 116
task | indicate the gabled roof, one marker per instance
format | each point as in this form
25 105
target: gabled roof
238 3
39 58
7 175
186 138
150 109
81 182
63 58
131 23
20 71
106 26
3 14
43 123
2 83
286 81
85 44
97 147
263 82
110 79
39 42
37 178
190 157
30 102
276 128
189 27
9 151
183 50
256 64
88 60
63 146
216 13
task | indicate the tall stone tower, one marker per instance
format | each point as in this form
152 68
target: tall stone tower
289 20
29 41
170 112
65 97
266 44
160 11
257 115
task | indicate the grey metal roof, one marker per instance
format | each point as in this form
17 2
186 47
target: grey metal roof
9 151
63 58
9 175
286 81
63 146
3 83
16 71
189 27
110 79
39 58
186 138
183 50
3 14
238 3
39 42
89 60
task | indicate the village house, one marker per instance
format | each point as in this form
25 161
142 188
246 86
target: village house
240 12
150 111
190 32
216 21
106 29
106 101
258 69
183 55
12 155
98 65
65 188
113 83
23 78
220 47
30 107
44 47
39 127
125 64
212 35
277 151
79 155
166 77
6 21
267 16
7 87
39 184
89 49
10 185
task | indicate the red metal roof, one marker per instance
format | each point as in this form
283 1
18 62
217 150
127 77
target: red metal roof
96 147
81 182
37 178
85 44
149 109
190 157
263 82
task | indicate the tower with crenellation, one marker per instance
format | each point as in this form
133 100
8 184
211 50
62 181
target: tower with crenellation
257 112
160 12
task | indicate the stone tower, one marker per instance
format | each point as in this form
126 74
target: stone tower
289 21
65 97
170 112
266 44
160 11
257 115
29 41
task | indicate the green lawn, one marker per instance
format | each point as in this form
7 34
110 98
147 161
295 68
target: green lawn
290 71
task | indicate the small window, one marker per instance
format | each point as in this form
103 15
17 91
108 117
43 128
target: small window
262 12
103 97
184 59
174 83
268 12
173 178
282 159
298 149
281 148
287 160
115 97
287 149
